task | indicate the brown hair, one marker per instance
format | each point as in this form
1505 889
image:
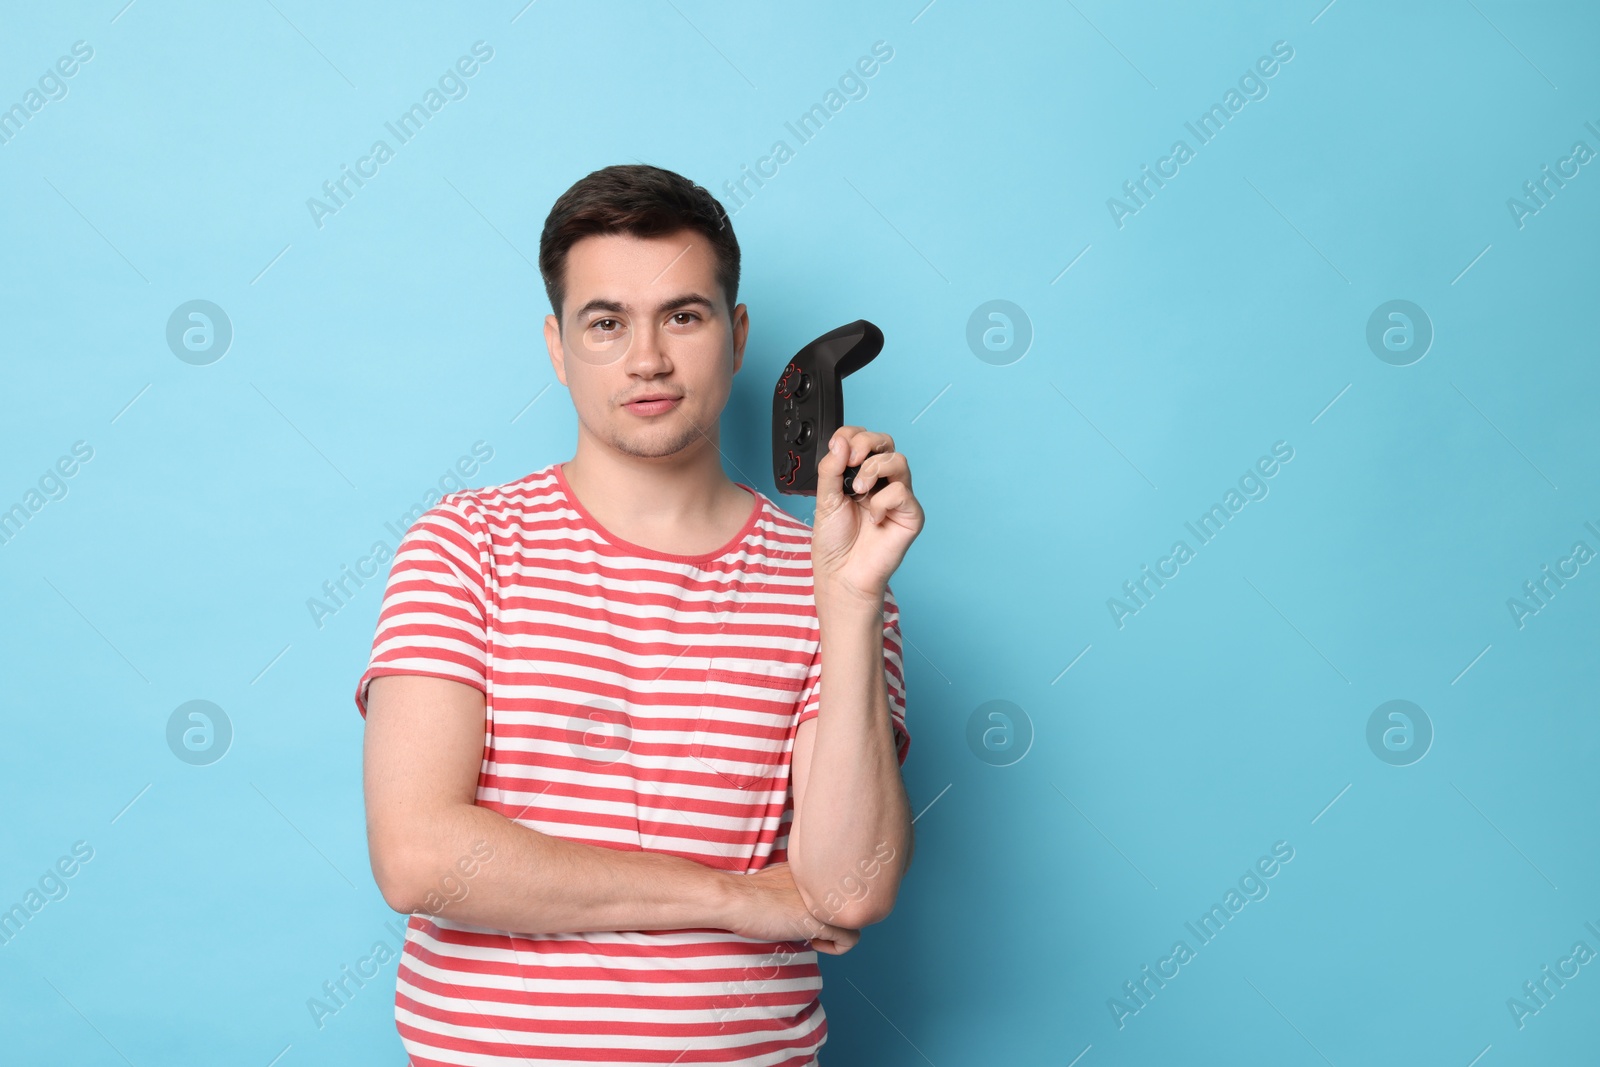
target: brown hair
640 200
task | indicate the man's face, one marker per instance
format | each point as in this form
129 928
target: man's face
645 316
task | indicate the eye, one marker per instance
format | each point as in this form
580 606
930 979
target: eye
685 314
603 324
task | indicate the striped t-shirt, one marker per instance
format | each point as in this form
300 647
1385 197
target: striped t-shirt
636 700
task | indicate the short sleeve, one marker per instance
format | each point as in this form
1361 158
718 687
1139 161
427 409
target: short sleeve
894 676
433 619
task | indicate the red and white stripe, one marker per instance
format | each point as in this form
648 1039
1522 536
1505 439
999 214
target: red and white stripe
636 700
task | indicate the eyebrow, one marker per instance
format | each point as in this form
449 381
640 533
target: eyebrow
617 307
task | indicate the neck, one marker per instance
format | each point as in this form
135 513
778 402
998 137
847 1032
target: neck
653 493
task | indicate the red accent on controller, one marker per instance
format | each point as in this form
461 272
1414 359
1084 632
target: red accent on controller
794 468
785 387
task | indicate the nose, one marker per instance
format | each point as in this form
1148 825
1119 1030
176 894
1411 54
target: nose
646 355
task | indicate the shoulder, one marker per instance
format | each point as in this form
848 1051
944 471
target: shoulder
781 526
781 518
475 513
782 538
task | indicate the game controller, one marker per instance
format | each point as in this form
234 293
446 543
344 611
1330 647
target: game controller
808 405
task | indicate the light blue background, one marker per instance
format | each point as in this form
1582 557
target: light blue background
1228 314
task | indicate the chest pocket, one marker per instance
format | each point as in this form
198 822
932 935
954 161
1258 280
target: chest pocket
746 715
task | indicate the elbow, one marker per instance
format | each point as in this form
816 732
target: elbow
394 872
858 914
856 900
416 866
399 898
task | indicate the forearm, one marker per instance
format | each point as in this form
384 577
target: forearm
522 880
850 838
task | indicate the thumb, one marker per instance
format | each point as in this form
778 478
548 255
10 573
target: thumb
830 470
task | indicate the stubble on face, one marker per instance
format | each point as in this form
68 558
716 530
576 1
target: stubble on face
657 268
652 441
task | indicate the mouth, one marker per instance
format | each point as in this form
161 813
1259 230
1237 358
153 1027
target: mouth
653 404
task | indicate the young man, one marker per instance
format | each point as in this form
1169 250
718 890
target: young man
602 770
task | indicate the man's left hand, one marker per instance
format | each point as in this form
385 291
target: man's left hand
856 543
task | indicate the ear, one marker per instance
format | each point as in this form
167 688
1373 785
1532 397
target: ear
552 341
741 331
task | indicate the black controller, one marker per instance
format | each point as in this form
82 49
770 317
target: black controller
808 405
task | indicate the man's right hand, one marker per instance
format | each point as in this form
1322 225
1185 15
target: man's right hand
766 906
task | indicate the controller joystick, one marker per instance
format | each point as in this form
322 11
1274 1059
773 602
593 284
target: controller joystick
808 405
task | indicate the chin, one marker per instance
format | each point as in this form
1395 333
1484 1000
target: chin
646 446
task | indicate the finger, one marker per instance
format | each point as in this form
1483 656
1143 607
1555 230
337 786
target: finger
830 469
856 443
837 944
864 443
896 496
845 434
863 446
891 465
877 476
